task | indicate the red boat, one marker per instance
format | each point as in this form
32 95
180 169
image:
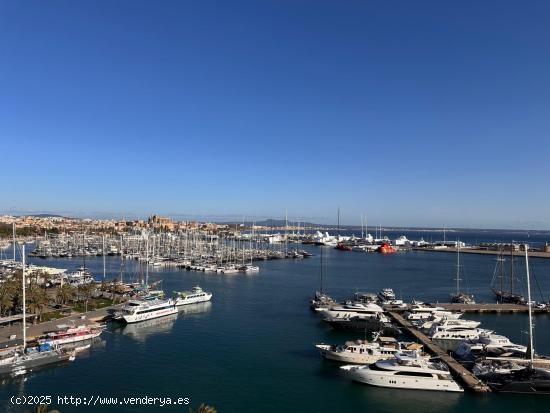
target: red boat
343 247
386 248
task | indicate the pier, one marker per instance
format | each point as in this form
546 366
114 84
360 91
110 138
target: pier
471 250
35 330
492 308
466 378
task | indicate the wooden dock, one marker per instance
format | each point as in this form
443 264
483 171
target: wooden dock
466 378
470 250
492 308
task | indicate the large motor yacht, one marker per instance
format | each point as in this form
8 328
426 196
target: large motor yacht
406 370
362 351
449 338
354 309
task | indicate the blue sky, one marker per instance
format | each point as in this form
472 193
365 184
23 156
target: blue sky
418 113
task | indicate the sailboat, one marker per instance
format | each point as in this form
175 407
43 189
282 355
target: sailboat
508 377
460 297
503 295
18 361
320 300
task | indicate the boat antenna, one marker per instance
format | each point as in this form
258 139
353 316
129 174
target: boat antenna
529 305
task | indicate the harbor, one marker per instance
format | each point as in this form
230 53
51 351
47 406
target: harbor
243 305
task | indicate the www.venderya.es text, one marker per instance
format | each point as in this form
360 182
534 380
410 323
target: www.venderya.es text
95 400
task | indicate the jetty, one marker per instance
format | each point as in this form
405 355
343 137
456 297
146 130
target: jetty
492 308
35 330
481 251
466 378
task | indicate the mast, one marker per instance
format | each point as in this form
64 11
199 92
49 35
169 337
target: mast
338 224
24 298
14 242
458 269
103 239
531 350
321 272
512 269
147 260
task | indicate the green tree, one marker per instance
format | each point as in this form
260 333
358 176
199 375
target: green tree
65 293
204 408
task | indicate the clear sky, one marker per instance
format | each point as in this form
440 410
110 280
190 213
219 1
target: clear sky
416 112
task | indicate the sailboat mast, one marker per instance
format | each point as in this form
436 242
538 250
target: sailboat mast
147 260
13 242
531 350
24 298
103 239
458 268
512 269
321 272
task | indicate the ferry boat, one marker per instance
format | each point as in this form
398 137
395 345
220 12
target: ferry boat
406 370
196 295
70 334
362 351
141 310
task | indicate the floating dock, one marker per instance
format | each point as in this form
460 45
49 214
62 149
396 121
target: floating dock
492 308
466 378
470 250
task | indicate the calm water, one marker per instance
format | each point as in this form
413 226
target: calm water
252 349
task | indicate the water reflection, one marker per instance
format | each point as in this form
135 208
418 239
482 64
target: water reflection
140 331
404 401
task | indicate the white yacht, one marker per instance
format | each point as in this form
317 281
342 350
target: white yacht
196 295
353 310
449 338
488 344
386 294
363 352
406 370
446 323
141 310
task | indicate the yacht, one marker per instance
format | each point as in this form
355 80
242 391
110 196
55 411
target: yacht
386 294
196 295
449 338
406 370
141 310
354 309
364 324
66 334
321 301
489 345
363 352
446 323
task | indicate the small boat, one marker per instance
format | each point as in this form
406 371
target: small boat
386 248
196 295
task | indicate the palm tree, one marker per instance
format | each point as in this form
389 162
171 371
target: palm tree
65 293
204 408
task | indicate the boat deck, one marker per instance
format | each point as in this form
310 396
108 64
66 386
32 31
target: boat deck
466 378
